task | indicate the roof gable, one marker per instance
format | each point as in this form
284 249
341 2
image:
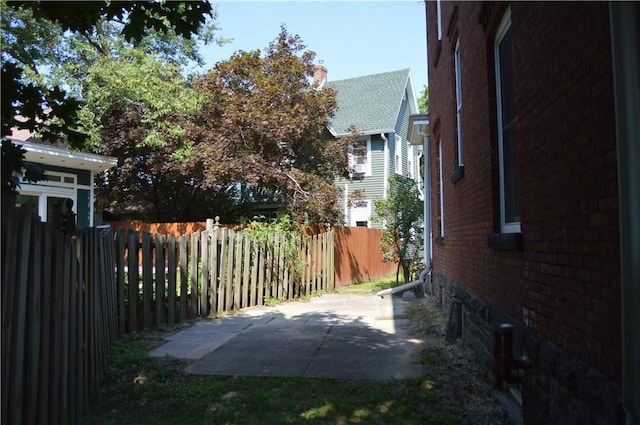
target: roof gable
371 102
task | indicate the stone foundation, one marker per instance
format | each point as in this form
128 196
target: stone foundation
557 388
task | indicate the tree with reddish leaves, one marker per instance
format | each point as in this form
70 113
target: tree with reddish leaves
263 124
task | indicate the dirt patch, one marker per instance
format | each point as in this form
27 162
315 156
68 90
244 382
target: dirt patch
462 385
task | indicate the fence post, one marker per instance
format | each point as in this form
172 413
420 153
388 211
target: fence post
172 270
16 321
315 277
275 275
238 272
325 255
33 335
147 280
46 323
332 257
133 279
260 254
222 288
309 265
195 311
246 255
229 277
255 271
160 280
209 252
213 296
204 249
121 236
184 276
82 270
268 268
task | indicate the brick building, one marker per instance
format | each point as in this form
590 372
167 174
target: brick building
525 204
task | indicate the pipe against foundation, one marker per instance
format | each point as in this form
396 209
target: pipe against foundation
398 288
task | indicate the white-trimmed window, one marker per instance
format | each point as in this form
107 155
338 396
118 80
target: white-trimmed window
54 178
398 155
48 198
50 205
361 214
360 159
458 101
506 112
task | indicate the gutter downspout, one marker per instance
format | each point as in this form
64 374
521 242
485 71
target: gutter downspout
426 154
385 184
400 288
624 20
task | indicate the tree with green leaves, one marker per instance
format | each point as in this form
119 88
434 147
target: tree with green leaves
122 65
44 50
401 212
423 100
253 121
262 124
138 109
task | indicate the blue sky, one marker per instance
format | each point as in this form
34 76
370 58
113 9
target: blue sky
352 38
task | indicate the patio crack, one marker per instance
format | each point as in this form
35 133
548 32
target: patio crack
312 358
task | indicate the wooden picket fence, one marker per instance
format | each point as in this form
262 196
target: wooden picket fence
58 318
166 279
65 299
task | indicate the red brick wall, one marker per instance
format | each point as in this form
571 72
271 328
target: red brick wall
565 282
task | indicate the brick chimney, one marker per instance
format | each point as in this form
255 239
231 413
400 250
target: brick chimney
319 76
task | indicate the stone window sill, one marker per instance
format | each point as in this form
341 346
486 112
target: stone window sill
505 241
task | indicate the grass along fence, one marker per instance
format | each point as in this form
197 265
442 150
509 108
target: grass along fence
58 318
165 279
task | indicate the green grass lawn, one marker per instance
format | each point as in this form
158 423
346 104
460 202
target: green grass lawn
139 389
142 390
369 287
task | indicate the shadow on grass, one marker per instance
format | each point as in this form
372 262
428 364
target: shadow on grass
305 368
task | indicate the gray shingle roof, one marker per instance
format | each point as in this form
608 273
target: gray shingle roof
371 103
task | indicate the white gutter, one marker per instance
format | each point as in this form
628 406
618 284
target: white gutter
419 134
335 134
428 248
51 155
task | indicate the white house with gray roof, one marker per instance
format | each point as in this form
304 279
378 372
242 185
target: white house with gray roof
379 107
69 179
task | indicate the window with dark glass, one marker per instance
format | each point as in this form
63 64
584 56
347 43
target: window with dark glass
509 187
